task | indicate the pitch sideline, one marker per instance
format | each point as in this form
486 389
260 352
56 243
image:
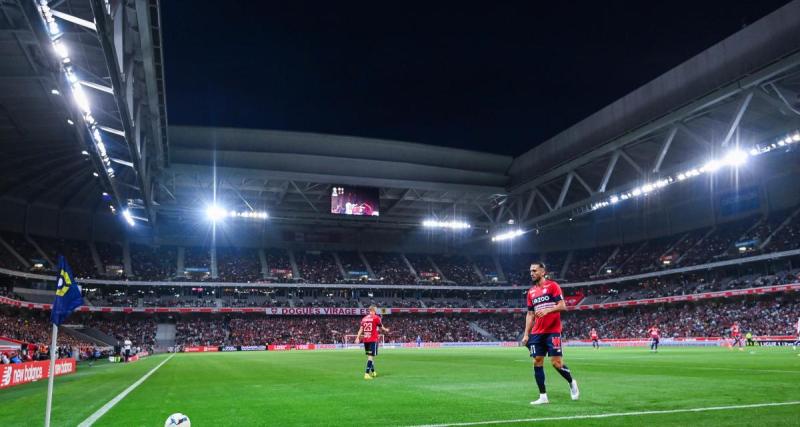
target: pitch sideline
111 403
611 415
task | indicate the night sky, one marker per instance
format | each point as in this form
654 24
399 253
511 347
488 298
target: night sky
497 78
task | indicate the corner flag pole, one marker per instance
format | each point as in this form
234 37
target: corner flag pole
51 376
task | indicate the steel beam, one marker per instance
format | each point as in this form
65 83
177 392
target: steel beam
74 19
631 162
544 199
564 190
528 204
664 148
313 206
583 183
612 163
734 88
694 136
737 118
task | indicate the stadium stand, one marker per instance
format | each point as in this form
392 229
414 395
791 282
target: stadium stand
318 267
153 263
390 268
238 265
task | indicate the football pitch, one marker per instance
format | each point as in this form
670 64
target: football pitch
473 386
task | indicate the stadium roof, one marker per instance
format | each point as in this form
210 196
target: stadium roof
82 104
743 90
290 174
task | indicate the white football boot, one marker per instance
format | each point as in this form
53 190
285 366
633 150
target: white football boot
574 393
541 400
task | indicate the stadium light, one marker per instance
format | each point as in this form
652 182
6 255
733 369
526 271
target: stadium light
128 217
215 213
447 225
62 51
735 158
513 234
712 166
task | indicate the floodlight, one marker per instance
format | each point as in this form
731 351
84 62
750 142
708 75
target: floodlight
215 213
712 166
128 217
61 49
614 199
508 235
735 158
81 99
452 225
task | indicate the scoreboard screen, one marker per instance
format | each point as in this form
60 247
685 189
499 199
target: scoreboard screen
359 201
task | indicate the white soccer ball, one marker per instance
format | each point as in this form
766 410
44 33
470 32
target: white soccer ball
178 419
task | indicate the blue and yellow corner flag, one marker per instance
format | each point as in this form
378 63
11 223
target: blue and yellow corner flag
68 295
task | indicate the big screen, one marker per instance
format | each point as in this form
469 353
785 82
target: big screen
361 201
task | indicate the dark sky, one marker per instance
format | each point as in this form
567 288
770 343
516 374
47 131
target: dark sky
496 78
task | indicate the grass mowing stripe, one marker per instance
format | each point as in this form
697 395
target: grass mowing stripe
107 407
618 414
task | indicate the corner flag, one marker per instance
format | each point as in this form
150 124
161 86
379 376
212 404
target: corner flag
68 295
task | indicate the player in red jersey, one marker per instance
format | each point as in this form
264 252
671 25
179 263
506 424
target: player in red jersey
371 327
736 334
595 342
543 330
654 337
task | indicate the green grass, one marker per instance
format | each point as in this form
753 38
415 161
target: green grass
423 387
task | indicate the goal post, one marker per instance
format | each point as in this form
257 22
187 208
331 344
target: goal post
350 341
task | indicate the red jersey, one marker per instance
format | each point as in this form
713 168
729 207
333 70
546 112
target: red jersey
654 332
370 326
541 298
594 334
735 331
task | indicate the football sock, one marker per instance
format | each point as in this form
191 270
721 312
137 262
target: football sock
564 371
538 372
370 367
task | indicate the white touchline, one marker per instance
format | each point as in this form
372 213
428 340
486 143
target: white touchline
618 414
107 407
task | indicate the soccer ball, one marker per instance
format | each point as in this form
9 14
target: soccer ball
178 419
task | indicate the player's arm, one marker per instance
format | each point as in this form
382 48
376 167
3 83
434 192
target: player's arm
529 319
358 335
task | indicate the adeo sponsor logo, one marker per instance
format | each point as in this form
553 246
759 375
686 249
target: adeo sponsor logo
229 348
543 298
